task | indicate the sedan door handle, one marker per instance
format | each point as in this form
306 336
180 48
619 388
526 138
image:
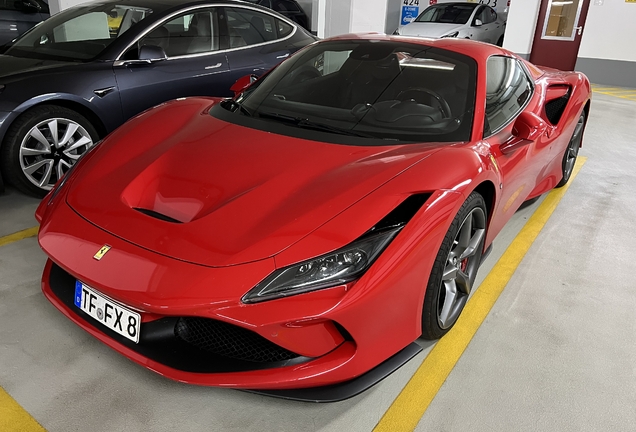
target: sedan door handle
216 66
283 56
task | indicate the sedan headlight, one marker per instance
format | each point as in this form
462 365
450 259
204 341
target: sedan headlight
336 268
453 34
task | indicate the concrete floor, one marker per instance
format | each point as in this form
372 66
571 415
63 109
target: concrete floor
556 352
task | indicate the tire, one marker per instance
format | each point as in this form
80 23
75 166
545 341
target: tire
572 151
33 159
500 41
452 277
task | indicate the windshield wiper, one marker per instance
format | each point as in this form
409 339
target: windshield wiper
232 105
308 124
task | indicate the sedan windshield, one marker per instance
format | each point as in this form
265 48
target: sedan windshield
447 13
77 34
383 90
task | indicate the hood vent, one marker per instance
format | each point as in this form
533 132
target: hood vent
157 215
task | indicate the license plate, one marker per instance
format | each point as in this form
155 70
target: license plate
116 317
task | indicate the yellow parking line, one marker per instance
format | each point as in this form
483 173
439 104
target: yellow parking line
597 87
14 418
619 93
20 235
411 404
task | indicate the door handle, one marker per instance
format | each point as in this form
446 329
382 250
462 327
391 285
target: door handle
216 66
282 56
580 29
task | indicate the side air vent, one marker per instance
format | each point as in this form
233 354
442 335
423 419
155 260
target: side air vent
403 213
554 108
157 215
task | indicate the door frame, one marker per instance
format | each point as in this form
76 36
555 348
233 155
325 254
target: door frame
570 46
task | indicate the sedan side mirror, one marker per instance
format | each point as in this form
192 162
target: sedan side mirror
243 83
151 53
478 23
528 127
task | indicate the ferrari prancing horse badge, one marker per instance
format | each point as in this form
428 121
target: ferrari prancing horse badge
100 253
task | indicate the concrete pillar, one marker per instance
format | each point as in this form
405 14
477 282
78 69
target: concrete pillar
522 22
352 16
368 15
60 5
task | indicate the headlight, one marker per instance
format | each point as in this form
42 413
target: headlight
453 34
336 268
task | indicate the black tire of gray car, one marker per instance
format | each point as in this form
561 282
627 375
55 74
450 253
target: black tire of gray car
572 151
441 310
10 156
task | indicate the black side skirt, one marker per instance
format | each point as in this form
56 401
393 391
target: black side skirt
348 389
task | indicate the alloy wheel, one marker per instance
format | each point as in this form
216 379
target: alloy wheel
50 149
461 267
573 148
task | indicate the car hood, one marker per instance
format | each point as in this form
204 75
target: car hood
429 29
184 184
18 67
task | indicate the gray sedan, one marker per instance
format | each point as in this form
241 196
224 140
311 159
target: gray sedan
80 74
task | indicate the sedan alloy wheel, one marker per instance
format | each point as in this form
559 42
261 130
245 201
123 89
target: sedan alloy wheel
50 148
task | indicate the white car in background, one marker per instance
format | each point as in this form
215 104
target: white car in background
461 20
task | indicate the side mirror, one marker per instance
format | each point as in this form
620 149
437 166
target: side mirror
151 53
478 23
528 127
243 83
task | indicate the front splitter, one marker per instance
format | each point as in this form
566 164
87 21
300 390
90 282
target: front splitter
348 389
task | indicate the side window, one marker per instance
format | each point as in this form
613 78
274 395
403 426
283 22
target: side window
479 15
492 14
284 29
485 16
508 89
248 27
285 6
192 33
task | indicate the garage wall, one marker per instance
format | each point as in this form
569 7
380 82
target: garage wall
338 13
607 54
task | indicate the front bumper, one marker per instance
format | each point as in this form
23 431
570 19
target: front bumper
161 350
312 327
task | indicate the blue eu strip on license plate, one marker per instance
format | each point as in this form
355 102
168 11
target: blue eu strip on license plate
78 294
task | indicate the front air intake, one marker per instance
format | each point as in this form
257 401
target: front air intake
230 341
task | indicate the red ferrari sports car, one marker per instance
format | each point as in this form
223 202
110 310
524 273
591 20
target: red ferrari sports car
298 238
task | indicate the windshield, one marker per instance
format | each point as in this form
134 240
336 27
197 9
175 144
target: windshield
385 90
448 13
77 34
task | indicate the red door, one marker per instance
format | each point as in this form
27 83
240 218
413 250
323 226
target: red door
558 34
